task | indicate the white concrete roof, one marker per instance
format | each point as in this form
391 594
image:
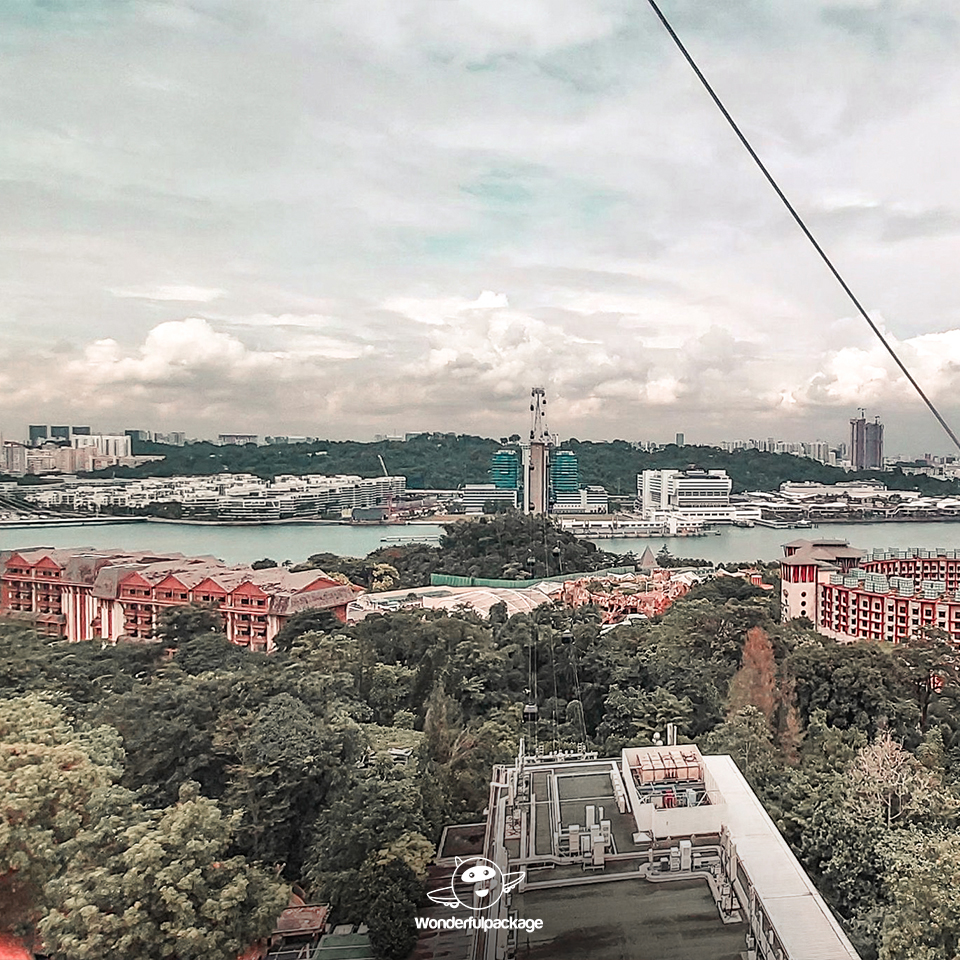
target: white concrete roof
481 599
802 919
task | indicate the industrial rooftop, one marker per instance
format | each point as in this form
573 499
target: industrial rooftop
661 853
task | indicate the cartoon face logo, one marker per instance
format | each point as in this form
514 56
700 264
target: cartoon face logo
477 884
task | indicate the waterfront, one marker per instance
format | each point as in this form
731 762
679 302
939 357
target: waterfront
230 543
764 543
296 541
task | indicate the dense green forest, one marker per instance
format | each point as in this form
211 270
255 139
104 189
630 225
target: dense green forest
445 461
505 546
172 792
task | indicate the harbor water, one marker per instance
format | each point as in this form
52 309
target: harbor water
297 541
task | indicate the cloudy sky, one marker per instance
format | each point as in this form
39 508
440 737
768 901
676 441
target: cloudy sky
348 218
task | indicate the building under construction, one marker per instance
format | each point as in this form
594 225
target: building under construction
866 443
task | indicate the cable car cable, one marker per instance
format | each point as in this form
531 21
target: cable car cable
556 695
576 682
796 216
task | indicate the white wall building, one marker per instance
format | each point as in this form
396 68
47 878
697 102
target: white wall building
228 496
475 495
683 489
106 445
690 495
589 499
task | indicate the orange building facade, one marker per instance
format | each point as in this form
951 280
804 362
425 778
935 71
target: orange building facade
649 595
87 594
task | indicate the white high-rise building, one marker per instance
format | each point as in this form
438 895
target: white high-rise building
106 445
690 495
683 489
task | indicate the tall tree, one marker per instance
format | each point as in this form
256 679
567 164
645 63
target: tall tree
287 756
755 683
148 883
185 622
889 783
931 662
923 879
745 736
48 773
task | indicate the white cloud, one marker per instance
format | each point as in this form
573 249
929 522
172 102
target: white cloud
414 211
858 375
177 351
488 300
435 311
169 292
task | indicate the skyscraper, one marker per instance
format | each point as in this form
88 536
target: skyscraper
505 469
564 474
866 443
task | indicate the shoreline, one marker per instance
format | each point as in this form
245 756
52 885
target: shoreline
867 520
291 521
301 521
24 524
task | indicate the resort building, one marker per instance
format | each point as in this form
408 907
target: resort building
87 594
880 595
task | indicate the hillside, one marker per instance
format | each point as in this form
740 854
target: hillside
445 461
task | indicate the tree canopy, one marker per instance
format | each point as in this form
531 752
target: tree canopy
183 788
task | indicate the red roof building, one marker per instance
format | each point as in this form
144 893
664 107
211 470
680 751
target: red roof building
880 595
86 593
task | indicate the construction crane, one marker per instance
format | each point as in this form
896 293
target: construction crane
391 508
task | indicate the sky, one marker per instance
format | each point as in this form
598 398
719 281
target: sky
343 219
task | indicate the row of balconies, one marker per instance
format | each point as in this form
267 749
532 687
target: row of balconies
218 601
19 594
17 573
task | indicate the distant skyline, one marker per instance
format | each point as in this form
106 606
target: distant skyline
357 217
725 443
